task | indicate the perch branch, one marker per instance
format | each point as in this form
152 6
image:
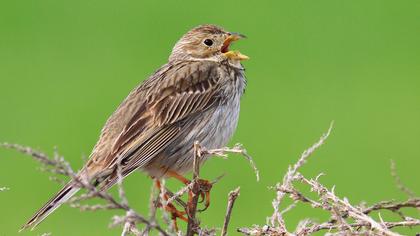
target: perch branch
345 218
231 201
194 191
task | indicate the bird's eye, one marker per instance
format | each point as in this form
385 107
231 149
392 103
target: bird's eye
208 42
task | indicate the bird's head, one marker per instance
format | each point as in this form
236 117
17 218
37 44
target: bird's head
207 42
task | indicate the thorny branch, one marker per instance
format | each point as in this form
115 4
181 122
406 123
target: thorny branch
58 165
237 149
345 218
130 221
196 187
286 186
231 201
193 223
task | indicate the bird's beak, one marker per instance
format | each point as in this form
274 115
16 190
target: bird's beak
234 55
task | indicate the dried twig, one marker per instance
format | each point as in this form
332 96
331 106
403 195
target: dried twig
180 193
194 191
55 165
154 198
343 207
237 149
345 218
58 165
231 201
398 181
393 205
286 185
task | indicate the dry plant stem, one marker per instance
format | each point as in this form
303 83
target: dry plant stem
231 201
393 206
130 225
152 209
57 165
388 225
398 181
308 229
345 206
237 149
180 193
195 192
121 191
346 219
131 218
95 207
277 218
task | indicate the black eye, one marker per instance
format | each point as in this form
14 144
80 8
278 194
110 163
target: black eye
208 42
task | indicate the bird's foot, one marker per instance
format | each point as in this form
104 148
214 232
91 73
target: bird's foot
204 188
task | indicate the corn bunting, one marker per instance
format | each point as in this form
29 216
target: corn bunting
193 97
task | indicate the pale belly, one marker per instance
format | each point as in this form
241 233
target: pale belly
212 129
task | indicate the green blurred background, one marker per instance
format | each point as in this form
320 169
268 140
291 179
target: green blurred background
65 66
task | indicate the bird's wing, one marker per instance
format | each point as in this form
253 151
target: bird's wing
180 93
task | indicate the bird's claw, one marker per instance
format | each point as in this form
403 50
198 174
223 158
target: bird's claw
205 187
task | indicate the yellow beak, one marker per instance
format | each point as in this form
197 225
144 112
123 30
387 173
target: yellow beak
236 55
233 55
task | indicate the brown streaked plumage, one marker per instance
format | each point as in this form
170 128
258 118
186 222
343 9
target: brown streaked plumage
194 97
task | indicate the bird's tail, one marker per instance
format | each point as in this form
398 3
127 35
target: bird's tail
62 196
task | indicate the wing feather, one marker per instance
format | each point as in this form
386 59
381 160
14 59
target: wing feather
175 96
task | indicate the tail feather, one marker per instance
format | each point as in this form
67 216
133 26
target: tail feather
62 196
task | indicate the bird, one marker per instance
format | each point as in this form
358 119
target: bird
194 97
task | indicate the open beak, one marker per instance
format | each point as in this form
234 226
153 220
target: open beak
234 55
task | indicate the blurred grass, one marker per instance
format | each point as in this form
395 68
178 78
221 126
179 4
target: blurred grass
65 66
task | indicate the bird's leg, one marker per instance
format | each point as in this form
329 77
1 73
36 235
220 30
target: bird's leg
175 213
177 176
205 187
